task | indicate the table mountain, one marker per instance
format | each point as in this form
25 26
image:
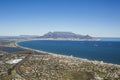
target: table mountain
65 35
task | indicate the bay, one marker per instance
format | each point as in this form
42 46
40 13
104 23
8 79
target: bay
107 51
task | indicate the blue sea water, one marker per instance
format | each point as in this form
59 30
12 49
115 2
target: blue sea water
104 50
11 49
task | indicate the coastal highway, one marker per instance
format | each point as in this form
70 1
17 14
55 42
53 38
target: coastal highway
17 68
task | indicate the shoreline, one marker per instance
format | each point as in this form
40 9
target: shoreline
66 56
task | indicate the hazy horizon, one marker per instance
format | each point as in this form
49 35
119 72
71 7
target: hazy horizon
53 31
98 18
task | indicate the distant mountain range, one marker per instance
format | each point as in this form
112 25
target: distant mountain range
53 36
65 35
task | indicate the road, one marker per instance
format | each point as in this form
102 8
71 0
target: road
17 68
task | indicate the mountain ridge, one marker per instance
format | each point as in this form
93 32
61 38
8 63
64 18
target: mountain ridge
65 35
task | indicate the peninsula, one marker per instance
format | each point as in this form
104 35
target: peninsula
57 35
27 64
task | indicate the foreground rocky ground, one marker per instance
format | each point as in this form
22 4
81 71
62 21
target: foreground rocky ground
42 66
51 67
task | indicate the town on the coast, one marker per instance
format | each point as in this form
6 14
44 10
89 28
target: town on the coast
19 63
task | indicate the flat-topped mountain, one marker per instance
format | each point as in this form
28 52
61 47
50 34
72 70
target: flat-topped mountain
65 35
52 36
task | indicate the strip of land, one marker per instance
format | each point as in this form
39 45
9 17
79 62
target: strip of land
39 65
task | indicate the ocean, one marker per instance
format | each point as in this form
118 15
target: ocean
11 49
107 50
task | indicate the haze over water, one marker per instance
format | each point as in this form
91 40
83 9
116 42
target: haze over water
107 50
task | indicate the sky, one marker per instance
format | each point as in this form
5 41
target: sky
98 18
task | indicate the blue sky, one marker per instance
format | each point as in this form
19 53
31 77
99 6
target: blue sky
100 18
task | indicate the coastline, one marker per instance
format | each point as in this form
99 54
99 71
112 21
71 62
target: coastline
65 56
